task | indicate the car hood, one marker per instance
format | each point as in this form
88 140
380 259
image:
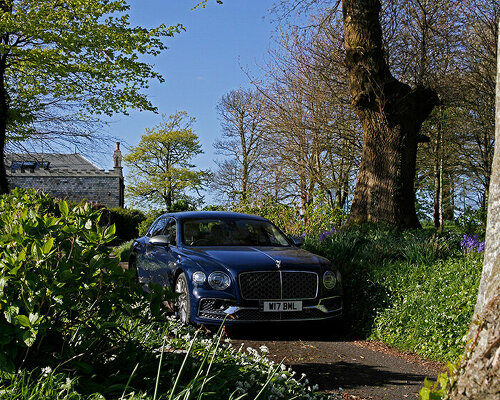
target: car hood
258 258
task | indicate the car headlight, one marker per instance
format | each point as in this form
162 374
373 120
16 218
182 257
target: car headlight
329 279
219 280
199 278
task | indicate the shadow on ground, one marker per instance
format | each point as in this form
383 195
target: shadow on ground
335 361
347 376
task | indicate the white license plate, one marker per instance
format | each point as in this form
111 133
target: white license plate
282 306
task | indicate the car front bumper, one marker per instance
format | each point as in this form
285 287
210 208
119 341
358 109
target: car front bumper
212 311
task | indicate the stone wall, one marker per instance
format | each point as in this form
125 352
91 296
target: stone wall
95 186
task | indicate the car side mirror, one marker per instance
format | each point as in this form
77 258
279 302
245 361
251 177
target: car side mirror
297 240
159 240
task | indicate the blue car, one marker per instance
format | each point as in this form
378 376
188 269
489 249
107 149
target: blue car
235 265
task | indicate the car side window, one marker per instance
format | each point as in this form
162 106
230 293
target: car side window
157 227
170 230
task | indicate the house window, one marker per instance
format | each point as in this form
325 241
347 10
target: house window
28 165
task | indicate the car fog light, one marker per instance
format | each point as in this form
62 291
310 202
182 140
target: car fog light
199 278
329 279
219 280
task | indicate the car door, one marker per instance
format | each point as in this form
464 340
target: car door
160 259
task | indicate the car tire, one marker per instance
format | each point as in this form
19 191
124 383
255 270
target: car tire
183 302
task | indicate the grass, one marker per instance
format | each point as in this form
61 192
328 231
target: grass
415 290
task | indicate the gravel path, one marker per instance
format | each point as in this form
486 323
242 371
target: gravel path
337 364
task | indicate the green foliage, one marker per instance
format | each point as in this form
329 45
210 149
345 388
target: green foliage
439 390
122 252
126 221
322 216
473 221
83 52
74 325
59 289
319 216
414 290
161 169
191 365
285 216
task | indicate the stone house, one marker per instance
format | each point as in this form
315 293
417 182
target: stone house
68 176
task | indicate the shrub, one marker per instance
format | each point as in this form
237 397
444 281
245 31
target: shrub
59 289
126 221
122 252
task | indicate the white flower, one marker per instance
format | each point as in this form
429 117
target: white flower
46 371
67 385
264 349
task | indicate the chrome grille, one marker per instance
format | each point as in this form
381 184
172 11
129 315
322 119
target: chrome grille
278 285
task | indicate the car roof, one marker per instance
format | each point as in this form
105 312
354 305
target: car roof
212 214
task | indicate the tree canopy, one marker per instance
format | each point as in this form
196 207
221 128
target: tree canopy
71 57
161 169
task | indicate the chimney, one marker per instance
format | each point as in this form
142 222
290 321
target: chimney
117 157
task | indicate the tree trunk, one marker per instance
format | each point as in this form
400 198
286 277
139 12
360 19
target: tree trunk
437 180
479 375
4 106
391 114
4 112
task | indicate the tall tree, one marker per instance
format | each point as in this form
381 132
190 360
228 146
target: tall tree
70 52
241 115
391 113
479 376
161 170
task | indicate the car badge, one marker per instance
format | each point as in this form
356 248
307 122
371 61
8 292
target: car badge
278 264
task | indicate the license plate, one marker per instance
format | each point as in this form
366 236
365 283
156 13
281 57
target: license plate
282 306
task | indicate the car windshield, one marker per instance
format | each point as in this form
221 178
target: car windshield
231 232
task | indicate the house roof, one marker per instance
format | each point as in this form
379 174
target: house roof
57 161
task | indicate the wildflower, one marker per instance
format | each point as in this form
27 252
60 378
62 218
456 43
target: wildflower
46 371
67 385
264 349
323 236
472 243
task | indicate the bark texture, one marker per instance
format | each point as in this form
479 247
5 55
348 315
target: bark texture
391 114
479 376
4 102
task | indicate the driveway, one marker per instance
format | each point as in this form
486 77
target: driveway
339 364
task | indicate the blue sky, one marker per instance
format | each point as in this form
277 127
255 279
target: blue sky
201 64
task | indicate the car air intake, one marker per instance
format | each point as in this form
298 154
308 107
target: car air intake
278 285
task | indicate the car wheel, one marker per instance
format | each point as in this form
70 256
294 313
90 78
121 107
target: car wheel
182 304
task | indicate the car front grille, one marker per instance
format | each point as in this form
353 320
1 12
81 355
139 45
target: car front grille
256 315
278 285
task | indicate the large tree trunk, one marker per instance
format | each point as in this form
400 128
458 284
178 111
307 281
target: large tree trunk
479 376
4 104
4 112
391 114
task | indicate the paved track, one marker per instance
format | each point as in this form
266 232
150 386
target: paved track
337 364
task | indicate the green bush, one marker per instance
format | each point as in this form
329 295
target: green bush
60 292
319 215
414 290
126 221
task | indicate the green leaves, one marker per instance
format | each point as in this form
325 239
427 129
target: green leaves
63 208
161 169
57 278
82 55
